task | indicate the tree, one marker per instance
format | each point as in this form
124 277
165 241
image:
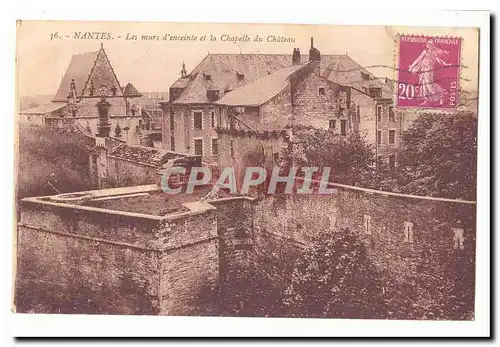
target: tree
350 158
439 156
334 278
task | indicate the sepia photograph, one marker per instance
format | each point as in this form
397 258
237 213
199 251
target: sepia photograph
246 170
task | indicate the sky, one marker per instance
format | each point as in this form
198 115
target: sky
153 65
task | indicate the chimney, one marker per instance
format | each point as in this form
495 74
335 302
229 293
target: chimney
314 54
296 56
315 59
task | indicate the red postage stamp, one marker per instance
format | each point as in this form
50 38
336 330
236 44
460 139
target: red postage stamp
428 72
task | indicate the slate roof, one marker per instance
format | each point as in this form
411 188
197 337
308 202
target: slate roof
45 108
344 70
261 90
79 69
220 72
131 91
143 155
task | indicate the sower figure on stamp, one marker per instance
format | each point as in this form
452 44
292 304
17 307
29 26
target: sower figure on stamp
429 90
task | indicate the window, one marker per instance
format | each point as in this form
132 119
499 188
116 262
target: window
240 76
198 147
341 111
231 148
113 90
215 147
172 120
392 136
198 124
251 109
408 232
391 114
343 127
379 113
213 95
392 161
321 91
458 238
212 118
367 224
379 137
332 123
172 143
365 76
375 92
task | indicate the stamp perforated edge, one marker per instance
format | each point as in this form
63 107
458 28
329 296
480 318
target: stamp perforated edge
396 75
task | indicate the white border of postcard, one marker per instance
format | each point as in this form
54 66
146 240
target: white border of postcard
89 325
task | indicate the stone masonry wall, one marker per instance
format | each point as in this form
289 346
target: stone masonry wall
82 262
76 260
367 109
283 224
87 107
122 173
184 132
235 229
313 109
189 263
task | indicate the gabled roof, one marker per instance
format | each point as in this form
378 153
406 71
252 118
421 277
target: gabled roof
261 90
220 72
131 91
79 69
344 70
45 108
227 72
89 71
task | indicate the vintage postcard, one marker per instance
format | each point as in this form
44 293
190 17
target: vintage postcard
246 170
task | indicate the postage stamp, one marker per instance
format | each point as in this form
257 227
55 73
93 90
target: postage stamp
428 72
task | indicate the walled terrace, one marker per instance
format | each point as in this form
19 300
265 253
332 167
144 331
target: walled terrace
135 250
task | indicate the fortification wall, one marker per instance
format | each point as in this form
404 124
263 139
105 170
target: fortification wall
283 225
79 261
85 260
188 262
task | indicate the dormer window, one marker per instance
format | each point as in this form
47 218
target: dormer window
365 76
207 77
376 92
213 95
240 76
